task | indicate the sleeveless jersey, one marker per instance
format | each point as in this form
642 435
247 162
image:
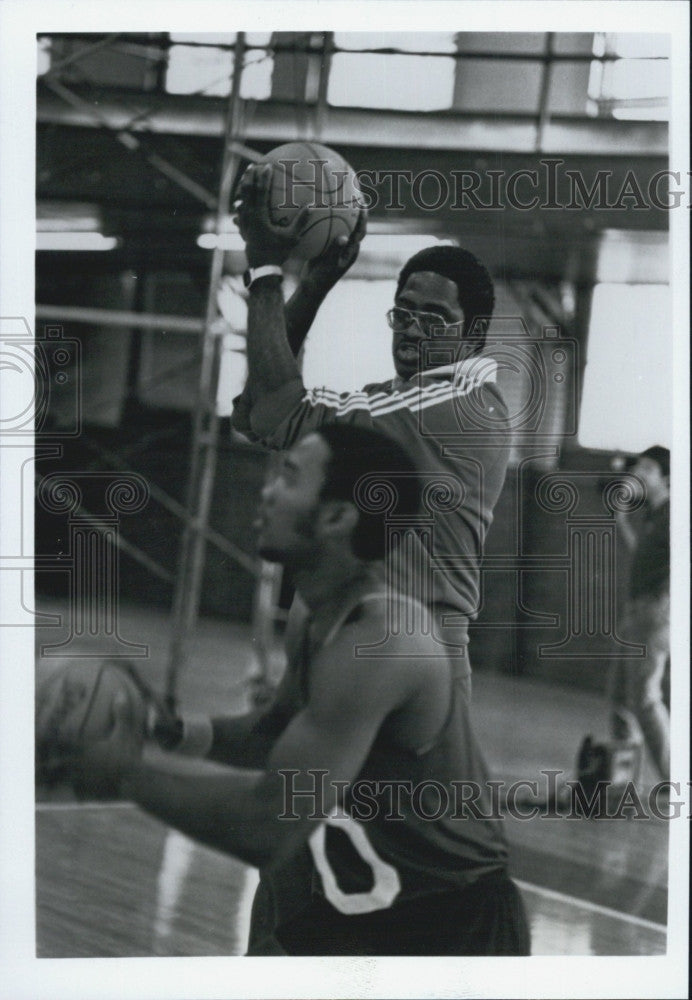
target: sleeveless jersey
404 832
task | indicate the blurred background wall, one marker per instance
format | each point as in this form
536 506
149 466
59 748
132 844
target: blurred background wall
543 153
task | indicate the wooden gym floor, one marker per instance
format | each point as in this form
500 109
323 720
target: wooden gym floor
111 881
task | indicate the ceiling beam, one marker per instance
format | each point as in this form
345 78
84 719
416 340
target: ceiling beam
277 121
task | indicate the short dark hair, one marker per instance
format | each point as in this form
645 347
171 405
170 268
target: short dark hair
660 455
475 289
359 452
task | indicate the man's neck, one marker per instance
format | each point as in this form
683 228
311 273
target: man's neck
324 584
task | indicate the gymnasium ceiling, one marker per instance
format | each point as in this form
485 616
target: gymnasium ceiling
111 138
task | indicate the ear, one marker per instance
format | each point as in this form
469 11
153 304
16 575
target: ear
337 517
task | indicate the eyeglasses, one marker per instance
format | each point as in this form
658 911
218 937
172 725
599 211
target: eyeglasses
427 322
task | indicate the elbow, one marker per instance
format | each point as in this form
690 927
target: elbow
266 844
262 836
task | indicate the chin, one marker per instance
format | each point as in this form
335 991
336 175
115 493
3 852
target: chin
403 371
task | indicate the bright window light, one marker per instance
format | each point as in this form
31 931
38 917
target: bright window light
404 41
257 76
232 374
194 70
43 56
68 217
635 80
410 83
209 71
634 45
626 400
350 343
75 241
203 38
654 112
395 244
636 86
216 38
225 241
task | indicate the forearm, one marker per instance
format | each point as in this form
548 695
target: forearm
240 741
271 363
245 741
300 312
234 811
299 315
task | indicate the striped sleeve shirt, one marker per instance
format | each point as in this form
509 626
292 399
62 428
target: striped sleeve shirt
453 421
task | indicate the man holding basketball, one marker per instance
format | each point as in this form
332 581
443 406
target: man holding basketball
361 792
444 404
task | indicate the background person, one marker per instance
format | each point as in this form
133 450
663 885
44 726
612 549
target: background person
636 686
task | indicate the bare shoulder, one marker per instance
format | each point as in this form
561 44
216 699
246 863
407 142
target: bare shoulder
387 638
404 623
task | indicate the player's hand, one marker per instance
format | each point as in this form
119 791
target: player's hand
265 241
104 763
324 271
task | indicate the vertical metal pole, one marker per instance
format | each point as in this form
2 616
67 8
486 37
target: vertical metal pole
323 83
544 99
206 423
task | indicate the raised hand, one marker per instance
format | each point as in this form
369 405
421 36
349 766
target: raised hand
324 271
265 241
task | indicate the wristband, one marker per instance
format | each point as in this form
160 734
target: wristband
254 273
190 735
198 736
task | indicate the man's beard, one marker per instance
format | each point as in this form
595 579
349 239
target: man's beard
301 552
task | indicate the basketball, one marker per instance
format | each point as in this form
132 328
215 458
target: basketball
75 707
308 173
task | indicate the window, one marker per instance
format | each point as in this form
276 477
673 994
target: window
627 395
350 343
630 79
43 56
397 81
208 69
402 41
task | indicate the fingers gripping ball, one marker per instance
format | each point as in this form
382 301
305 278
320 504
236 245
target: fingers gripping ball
310 174
88 718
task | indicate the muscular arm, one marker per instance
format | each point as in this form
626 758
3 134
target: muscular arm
271 362
300 312
239 740
319 278
232 810
276 332
247 740
245 813
299 315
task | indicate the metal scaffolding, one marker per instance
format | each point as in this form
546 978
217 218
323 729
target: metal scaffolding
206 422
128 115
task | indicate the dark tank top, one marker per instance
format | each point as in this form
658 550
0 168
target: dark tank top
414 823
